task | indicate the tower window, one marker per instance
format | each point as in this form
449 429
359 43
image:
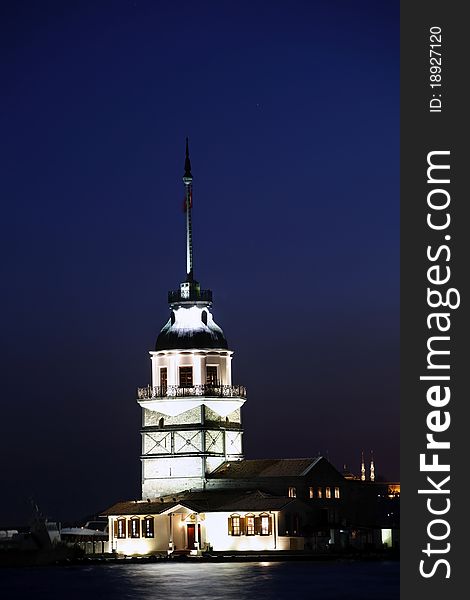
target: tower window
211 375
163 379
311 493
337 492
319 493
292 492
186 376
204 317
328 492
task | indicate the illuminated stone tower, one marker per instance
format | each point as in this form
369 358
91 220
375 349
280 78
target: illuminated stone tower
191 419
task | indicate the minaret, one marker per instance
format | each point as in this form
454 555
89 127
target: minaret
363 467
191 420
372 468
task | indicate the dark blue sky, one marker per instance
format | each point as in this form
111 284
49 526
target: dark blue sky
292 109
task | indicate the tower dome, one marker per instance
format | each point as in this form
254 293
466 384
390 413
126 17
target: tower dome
190 327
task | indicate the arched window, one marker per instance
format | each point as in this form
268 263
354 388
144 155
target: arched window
250 524
148 530
236 525
134 527
264 524
120 528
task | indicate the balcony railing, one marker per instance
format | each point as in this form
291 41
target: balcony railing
192 295
177 391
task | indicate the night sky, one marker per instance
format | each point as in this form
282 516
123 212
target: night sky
292 110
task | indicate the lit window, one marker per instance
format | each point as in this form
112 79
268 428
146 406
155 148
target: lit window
235 525
319 493
211 375
121 528
134 528
163 379
250 524
148 528
328 492
311 493
336 492
264 529
291 492
186 376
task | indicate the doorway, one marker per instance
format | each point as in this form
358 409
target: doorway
191 535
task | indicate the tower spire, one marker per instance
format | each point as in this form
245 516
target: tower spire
188 188
187 162
372 467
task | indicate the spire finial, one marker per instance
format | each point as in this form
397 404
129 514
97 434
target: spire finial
187 163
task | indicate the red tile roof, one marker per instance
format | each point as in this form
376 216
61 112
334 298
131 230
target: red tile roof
205 501
270 467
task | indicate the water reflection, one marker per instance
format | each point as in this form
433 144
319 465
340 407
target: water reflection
211 581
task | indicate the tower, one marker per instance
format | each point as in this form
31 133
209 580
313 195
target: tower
191 420
363 467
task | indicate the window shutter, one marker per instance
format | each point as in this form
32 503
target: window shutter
230 525
242 526
115 524
257 525
270 530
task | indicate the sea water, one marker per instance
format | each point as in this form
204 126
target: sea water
332 580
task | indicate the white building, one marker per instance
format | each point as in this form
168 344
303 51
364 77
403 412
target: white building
221 521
